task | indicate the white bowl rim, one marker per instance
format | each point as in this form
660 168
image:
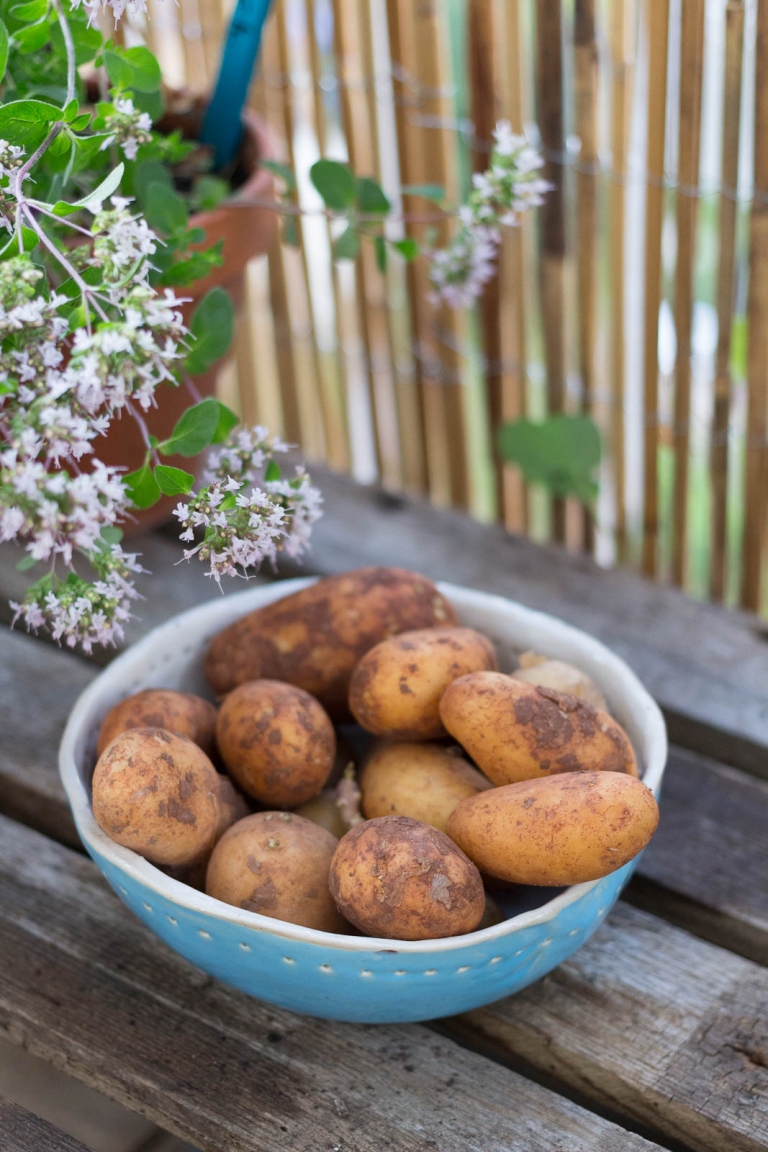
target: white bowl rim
184 896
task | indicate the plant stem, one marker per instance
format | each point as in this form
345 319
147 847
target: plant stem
86 290
144 431
70 47
23 171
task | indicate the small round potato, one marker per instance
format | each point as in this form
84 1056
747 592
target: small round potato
423 781
546 673
556 831
156 792
162 708
404 880
516 731
315 637
276 741
395 690
277 863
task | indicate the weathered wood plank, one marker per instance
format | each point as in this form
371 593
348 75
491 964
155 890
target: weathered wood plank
706 869
20 1131
707 667
79 975
651 1024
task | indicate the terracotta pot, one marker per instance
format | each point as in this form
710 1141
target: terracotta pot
247 232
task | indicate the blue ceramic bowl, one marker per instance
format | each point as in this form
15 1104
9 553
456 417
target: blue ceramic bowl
353 977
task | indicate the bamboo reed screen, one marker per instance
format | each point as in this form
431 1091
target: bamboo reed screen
637 294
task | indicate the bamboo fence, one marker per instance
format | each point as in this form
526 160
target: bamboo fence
638 294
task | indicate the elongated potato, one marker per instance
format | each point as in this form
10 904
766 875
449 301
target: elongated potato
277 863
395 690
157 793
402 879
277 742
423 781
314 638
560 830
162 708
516 731
563 677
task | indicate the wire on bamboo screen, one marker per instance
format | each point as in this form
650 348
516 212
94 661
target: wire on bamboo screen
636 296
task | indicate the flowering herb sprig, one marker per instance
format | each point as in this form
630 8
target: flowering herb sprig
91 327
458 273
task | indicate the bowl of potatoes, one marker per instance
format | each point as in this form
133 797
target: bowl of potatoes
367 797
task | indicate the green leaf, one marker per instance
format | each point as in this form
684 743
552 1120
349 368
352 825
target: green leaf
208 193
3 49
110 534
26 563
61 146
87 41
147 173
152 103
291 235
347 246
335 183
371 199
561 452
147 76
29 238
99 194
194 431
142 487
88 149
406 247
173 481
380 247
165 210
194 268
426 191
195 235
227 421
32 11
80 122
71 110
31 37
272 472
283 171
120 73
212 326
26 122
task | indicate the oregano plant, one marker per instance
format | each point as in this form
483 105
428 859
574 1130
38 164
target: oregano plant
96 249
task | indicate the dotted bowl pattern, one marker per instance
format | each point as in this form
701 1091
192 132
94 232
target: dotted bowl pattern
351 977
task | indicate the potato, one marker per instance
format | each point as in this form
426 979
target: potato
162 708
156 792
399 878
276 741
516 731
324 810
546 673
395 689
558 830
232 807
277 863
314 638
423 781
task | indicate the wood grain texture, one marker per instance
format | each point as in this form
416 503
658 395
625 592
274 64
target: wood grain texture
706 868
707 667
225 1071
651 1023
20 1131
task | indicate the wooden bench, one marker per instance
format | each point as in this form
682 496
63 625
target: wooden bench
654 1035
